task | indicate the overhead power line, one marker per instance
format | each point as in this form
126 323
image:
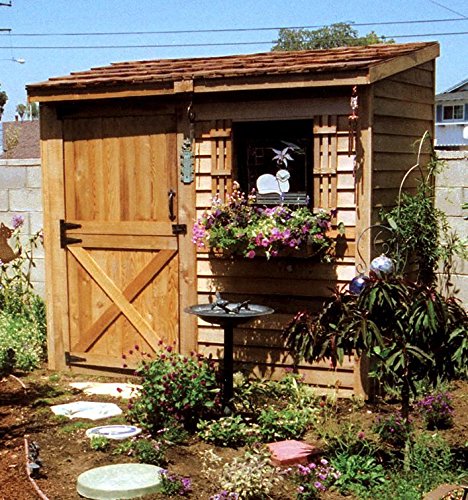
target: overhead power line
448 8
209 44
229 30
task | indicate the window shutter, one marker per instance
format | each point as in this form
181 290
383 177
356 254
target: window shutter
465 117
221 157
439 113
325 162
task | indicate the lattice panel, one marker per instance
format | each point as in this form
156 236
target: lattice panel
325 161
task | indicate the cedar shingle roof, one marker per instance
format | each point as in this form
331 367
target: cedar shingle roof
168 71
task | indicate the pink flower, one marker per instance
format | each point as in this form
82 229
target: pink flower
251 254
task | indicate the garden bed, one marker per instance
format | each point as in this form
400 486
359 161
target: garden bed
66 452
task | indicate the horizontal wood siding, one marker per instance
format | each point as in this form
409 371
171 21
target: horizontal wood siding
403 110
286 284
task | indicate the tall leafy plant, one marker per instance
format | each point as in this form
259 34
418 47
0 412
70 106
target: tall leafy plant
411 331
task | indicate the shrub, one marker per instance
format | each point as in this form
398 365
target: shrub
229 431
149 451
22 344
251 476
393 429
288 423
437 410
176 390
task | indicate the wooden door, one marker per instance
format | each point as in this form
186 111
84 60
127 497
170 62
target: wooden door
122 261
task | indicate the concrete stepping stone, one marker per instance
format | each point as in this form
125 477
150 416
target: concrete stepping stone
113 482
291 452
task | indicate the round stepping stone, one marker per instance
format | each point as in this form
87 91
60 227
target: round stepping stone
114 431
119 481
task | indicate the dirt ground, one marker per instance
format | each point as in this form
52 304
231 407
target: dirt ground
66 453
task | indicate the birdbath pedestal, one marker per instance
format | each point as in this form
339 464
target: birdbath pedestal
228 315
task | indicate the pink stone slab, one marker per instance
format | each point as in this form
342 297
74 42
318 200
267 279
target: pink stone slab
291 452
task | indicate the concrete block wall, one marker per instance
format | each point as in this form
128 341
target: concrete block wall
21 194
451 192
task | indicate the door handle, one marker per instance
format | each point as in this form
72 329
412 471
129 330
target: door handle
171 195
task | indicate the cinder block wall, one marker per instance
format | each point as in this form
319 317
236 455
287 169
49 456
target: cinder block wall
451 193
20 194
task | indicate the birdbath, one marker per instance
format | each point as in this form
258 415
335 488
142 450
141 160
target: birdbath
228 315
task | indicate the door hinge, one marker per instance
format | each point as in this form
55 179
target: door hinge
179 229
64 239
70 358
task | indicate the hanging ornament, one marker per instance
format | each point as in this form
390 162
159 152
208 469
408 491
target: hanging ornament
357 284
353 119
382 266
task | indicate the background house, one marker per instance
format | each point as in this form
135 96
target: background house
452 118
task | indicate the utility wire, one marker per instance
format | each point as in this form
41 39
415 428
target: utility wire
448 8
229 30
214 44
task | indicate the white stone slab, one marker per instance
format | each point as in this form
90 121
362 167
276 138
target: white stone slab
117 390
119 481
87 409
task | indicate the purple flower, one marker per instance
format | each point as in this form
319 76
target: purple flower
17 221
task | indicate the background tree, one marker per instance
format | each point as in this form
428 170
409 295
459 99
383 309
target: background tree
3 100
328 37
21 110
32 111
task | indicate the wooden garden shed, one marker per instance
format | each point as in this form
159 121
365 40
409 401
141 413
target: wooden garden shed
119 205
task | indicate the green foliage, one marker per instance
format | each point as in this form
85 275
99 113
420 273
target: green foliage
251 476
99 443
22 344
21 110
328 37
411 331
288 423
22 312
357 473
393 429
230 431
252 396
176 390
3 101
149 451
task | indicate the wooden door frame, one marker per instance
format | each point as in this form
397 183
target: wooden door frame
186 211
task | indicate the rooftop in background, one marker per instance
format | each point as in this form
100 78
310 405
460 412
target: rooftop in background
340 66
20 140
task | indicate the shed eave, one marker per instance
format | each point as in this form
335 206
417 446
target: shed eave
200 85
384 69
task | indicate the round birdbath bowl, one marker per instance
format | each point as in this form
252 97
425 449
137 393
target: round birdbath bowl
228 315
219 316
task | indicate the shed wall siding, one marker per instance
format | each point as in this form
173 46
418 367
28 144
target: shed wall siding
286 284
403 111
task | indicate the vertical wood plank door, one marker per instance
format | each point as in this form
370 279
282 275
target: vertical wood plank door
122 259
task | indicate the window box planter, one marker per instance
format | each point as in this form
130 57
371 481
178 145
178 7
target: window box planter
239 227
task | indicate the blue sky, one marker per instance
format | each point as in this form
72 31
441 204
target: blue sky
78 16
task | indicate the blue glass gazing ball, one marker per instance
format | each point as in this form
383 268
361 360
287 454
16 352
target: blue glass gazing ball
382 266
357 284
